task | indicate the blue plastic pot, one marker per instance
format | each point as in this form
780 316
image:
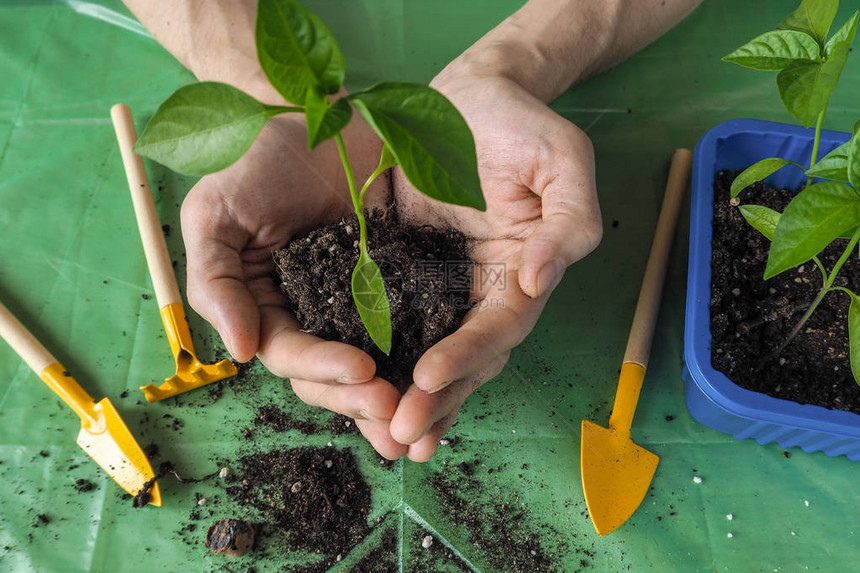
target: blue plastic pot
712 398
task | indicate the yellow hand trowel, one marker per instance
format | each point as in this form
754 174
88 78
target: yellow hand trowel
616 473
103 436
190 372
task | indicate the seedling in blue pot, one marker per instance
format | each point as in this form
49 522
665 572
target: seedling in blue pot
809 65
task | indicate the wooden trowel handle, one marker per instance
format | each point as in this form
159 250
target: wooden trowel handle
25 344
645 318
154 247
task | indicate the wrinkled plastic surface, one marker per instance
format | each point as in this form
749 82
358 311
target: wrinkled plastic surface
712 398
72 269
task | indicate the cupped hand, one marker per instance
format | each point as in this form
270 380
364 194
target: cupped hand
537 175
233 221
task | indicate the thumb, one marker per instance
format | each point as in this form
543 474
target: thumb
216 288
570 228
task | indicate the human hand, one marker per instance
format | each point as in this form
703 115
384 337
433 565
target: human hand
233 220
537 174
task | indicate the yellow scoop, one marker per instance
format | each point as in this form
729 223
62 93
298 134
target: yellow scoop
191 373
616 472
103 436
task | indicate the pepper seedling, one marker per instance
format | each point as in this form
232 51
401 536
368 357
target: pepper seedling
809 65
207 126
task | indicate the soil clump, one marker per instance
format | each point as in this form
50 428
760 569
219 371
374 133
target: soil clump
428 277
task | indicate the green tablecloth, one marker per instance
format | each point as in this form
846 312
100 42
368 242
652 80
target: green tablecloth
72 269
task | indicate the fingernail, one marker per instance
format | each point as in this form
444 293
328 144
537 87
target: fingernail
549 276
435 388
365 415
228 344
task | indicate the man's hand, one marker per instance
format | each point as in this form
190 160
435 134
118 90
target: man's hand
232 222
537 174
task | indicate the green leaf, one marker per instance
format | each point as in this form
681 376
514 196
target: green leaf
856 127
803 92
813 17
386 159
834 165
428 137
776 50
854 162
324 120
761 218
854 336
371 300
204 127
806 88
839 44
296 50
758 171
814 218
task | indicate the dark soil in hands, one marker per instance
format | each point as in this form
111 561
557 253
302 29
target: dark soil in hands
427 274
751 317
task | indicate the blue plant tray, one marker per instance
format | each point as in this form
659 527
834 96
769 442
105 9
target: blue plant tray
712 398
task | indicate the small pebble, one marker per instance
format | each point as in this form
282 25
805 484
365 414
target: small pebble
202 501
339 557
328 463
736 291
806 502
729 516
348 229
329 444
697 479
444 442
297 487
729 535
330 300
224 473
232 537
427 542
347 423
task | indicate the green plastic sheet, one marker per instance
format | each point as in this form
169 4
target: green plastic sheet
72 269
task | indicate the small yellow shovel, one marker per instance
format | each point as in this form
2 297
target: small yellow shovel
616 472
191 373
103 436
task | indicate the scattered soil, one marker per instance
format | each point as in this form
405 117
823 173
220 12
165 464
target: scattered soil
433 556
83 486
279 420
751 317
383 558
427 274
143 496
316 496
497 527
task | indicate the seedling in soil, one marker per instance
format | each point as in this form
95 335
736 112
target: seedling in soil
205 127
809 65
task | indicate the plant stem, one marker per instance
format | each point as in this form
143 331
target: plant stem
816 142
357 199
825 289
379 171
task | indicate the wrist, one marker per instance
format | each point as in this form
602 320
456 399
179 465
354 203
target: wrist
544 47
